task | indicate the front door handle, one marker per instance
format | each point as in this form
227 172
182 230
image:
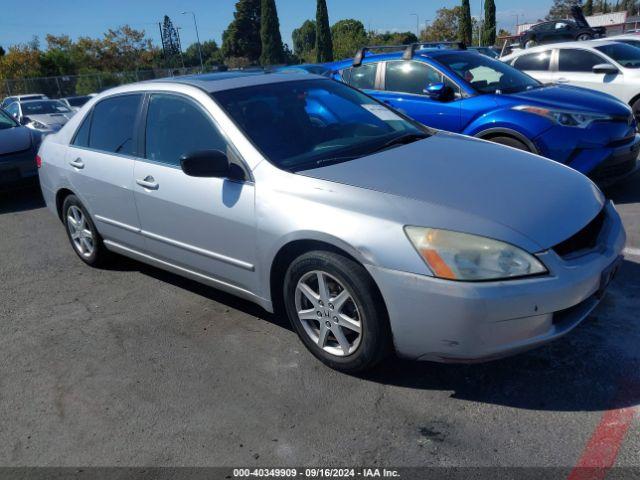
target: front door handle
77 163
563 80
148 182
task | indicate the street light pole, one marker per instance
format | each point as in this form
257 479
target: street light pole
417 23
195 24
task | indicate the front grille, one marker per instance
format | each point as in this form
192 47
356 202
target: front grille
613 170
585 239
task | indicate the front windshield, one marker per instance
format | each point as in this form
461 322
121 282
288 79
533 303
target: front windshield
625 55
304 124
487 75
43 107
6 121
633 43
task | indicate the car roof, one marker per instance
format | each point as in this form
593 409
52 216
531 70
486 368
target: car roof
433 53
216 82
36 100
589 45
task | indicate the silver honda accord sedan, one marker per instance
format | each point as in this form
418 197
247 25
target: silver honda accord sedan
303 195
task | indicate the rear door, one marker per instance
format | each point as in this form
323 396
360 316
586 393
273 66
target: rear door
100 163
206 225
575 67
404 84
537 64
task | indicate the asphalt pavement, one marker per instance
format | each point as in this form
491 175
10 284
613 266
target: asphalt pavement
132 366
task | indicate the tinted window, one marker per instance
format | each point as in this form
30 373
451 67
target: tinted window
77 101
533 61
410 77
307 124
6 121
176 126
578 60
43 107
13 108
112 127
625 55
363 77
82 134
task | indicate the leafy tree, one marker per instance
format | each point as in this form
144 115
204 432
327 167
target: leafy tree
489 25
20 61
348 36
560 9
444 27
465 33
605 7
391 38
242 38
211 54
304 41
2 51
272 51
324 45
588 8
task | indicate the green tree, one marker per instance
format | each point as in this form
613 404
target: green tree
489 25
391 38
242 38
588 8
304 41
465 33
324 45
560 9
444 27
272 51
348 36
211 54
605 7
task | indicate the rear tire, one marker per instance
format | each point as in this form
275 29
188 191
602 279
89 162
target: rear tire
82 233
510 142
583 37
530 43
636 111
342 321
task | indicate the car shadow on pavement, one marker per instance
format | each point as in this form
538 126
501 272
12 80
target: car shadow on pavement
595 367
627 191
125 264
21 200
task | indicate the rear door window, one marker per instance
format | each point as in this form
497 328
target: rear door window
113 124
537 62
362 77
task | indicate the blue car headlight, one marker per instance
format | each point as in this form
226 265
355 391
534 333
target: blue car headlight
566 118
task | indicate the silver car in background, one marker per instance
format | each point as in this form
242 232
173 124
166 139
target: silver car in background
308 197
45 116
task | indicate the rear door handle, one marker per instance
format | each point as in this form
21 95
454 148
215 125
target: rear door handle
148 182
77 163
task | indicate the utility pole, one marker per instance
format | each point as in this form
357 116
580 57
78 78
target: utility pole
195 24
480 23
417 23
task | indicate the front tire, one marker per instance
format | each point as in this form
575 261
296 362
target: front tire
510 142
337 311
583 37
82 233
530 43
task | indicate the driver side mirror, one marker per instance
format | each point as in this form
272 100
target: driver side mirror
206 164
605 68
440 92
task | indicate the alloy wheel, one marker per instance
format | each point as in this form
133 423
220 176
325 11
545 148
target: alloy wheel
328 313
80 233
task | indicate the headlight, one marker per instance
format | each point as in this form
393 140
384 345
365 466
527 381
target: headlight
565 118
38 125
460 256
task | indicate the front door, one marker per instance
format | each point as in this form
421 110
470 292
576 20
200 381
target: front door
206 225
405 82
575 67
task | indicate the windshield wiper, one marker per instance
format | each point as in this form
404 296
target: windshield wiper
402 140
324 162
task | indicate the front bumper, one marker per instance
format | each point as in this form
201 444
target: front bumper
18 168
444 321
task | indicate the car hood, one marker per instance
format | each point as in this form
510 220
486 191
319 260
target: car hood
469 185
52 119
14 139
566 97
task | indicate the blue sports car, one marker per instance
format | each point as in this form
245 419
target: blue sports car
465 92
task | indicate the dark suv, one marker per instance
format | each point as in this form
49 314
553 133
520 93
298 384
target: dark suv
561 31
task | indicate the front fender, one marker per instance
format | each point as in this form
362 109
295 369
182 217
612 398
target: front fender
524 126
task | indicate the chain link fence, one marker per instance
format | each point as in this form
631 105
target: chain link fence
72 85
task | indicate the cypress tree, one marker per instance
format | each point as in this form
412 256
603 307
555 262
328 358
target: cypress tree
465 28
272 52
242 37
489 28
324 44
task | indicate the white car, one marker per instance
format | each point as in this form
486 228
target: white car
605 65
